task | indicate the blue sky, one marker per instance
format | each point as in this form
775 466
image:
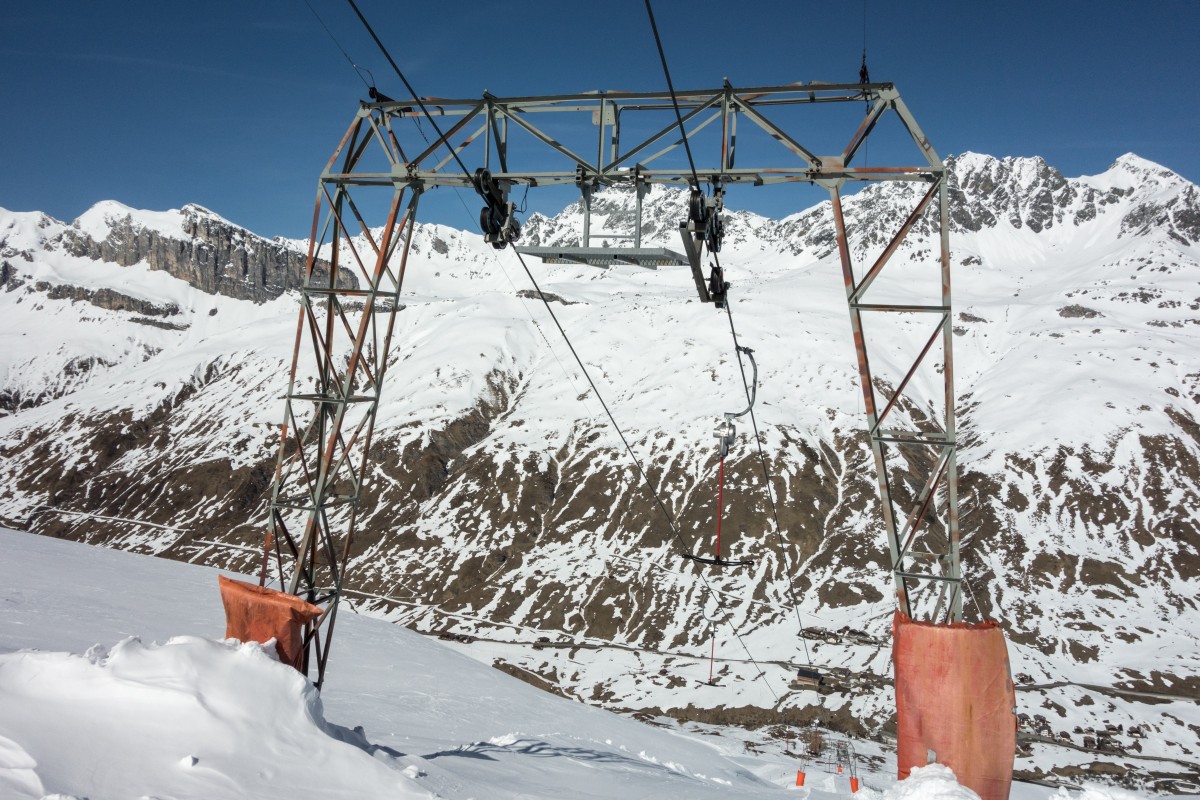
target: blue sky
237 106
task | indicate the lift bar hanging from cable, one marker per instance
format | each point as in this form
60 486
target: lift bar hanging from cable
726 435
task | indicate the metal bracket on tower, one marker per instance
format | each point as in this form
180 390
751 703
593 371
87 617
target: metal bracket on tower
587 187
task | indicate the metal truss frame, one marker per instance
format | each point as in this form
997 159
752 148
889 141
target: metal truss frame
347 330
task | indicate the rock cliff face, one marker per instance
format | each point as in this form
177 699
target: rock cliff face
500 506
206 251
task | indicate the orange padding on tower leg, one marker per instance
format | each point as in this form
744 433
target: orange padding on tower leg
257 614
955 700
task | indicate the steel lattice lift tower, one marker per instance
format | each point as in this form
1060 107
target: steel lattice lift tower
366 207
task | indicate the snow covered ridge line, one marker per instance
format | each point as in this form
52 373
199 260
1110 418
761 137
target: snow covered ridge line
987 193
209 251
191 244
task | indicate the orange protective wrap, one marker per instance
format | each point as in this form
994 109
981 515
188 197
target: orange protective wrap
257 614
955 699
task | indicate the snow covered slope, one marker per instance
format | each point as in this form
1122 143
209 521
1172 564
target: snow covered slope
502 508
130 693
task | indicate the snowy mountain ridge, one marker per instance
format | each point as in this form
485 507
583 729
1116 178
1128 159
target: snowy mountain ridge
143 413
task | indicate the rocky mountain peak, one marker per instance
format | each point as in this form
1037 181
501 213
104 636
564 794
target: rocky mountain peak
1138 167
1024 192
193 244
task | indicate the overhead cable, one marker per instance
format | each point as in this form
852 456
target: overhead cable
408 86
696 178
357 69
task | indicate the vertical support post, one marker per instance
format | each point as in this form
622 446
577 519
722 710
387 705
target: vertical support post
864 376
733 118
954 567
331 391
323 464
615 139
725 149
490 123
600 137
587 213
640 187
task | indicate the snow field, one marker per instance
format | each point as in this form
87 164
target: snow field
197 717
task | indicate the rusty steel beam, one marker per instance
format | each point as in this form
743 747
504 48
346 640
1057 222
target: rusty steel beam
340 351
935 461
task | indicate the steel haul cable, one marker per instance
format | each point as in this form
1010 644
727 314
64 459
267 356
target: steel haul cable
733 331
696 179
357 69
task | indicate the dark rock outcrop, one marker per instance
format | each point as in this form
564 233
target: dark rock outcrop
216 257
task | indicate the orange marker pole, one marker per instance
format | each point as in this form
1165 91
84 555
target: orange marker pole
799 777
854 785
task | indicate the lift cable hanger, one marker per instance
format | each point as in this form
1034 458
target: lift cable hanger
706 226
726 435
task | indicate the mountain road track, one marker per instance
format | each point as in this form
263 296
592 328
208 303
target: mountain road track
1110 690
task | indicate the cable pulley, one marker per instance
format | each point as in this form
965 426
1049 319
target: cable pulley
498 218
718 287
704 215
704 228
